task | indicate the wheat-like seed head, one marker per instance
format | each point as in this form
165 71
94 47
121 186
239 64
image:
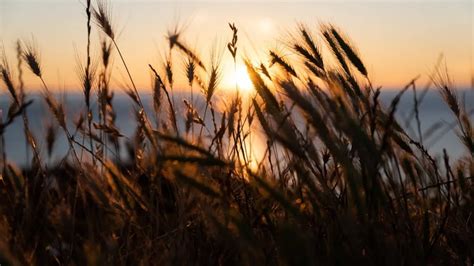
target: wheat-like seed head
169 72
157 94
190 68
335 48
349 50
51 135
102 16
174 40
56 108
232 45
173 35
442 80
87 77
5 75
308 39
277 59
32 57
215 73
106 50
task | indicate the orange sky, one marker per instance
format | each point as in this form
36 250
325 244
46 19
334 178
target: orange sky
397 39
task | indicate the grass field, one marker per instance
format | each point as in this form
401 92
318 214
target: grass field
338 179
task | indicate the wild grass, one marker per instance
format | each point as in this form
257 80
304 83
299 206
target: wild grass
340 182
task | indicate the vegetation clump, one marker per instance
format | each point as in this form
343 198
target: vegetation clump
340 181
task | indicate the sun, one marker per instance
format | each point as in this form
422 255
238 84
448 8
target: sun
242 79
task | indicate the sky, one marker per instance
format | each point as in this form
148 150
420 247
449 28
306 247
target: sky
397 40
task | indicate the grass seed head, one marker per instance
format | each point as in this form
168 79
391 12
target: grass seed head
32 57
102 16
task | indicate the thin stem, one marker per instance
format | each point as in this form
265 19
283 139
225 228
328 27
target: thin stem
66 131
128 73
192 105
204 119
88 75
2 148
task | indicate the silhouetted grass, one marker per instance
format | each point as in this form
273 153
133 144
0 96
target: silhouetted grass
340 182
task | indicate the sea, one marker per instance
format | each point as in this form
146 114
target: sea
433 112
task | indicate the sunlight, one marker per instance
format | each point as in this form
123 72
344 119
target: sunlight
266 25
242 79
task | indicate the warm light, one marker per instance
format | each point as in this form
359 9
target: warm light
266 25
241 78
253 165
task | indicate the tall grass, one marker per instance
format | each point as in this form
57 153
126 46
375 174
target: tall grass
340 182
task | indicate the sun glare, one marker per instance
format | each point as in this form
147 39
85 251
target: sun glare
242 79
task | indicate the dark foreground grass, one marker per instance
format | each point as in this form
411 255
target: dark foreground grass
341 181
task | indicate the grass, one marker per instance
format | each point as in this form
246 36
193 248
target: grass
340 182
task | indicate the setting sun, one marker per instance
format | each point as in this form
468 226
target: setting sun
240 78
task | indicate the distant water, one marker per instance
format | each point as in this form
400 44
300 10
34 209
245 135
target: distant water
431 110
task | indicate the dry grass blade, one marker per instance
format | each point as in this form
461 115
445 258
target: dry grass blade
132 96
102 16
262 120
349 51
170 102
214 79
57 110
305 54
208 161
443 82
106 51
214 75
265 71
277 59
390 121
20 69
32 57
174 40
202 187
191 54
262 89
192 116
15 112
87 76
234 107
5 75
315 70
51 137
232 45
277 195
157 95
335 49
108 129
181 142
169 72
190 69
316 54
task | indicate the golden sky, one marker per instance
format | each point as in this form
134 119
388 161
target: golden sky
397 40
